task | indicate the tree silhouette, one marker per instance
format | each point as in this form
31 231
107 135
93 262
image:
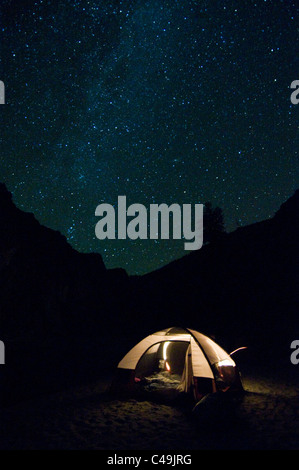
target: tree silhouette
213 223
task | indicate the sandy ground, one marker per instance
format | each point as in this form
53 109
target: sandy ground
266 417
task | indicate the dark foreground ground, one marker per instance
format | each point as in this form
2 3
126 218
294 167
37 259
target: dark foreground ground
87 418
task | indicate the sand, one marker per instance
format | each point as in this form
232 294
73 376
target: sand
87 418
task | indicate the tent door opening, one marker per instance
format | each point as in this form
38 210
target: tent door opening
165 366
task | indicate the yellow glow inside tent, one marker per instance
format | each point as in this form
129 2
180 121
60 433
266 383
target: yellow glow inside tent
165 346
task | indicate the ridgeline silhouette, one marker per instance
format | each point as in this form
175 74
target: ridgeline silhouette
62 312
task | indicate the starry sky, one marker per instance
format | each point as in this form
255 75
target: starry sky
164 101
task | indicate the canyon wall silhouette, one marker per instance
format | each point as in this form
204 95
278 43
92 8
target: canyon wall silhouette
65 317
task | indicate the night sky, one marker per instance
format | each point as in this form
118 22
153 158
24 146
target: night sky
161 101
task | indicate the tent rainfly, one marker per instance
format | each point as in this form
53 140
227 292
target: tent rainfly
200 363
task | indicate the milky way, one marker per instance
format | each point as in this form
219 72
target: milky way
161 101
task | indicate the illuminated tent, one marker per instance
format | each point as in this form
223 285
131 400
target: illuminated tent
199 363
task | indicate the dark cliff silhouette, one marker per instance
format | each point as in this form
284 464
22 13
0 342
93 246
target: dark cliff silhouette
64 316
56 305
243 288
46 285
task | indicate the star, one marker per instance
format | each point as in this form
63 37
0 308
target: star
177 104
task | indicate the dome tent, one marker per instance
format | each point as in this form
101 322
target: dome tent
199 365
